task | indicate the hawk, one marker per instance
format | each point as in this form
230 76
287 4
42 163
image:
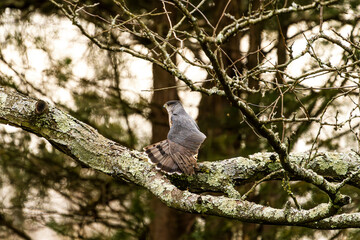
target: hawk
178 153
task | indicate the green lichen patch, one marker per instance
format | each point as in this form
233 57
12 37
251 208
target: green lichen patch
274 166
42 122
3 97
340 167
269 213
134 166
62 122
87 157
331 162
203 204
163 190
215 179
228 207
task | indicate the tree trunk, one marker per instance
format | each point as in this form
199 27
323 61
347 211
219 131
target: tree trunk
281 47
167 224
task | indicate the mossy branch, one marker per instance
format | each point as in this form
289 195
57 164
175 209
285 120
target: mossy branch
84 144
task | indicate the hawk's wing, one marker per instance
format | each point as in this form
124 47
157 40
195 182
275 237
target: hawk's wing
183 157
172 157
159 154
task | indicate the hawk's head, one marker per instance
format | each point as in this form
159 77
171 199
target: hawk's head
173 106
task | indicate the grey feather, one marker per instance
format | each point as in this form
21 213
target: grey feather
184 129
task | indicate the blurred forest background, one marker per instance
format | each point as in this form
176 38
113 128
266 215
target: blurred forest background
45 194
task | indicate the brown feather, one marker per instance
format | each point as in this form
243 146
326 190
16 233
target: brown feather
183 157
159 154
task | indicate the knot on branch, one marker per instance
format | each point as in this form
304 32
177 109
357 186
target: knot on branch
342 200
41 107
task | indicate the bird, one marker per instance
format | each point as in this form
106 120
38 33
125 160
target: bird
178 153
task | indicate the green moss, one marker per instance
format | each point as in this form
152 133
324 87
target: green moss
181 181
203 169
201 208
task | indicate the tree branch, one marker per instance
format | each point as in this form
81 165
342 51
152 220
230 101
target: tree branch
87 146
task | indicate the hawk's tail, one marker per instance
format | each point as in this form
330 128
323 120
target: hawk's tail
159 154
